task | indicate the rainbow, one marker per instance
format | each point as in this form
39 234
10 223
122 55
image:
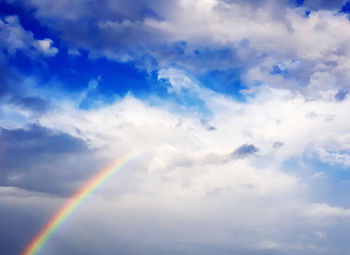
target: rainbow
63 213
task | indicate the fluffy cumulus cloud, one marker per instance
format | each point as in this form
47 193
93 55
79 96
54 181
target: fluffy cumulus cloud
260 167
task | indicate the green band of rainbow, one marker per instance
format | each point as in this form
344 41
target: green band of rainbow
60 216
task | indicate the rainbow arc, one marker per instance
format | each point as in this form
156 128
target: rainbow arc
67 209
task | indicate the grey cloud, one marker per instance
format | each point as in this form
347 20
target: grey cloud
38 139
245 150
49 161
277 145
17 223
206 125
34 104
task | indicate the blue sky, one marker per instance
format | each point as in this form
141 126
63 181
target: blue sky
242 106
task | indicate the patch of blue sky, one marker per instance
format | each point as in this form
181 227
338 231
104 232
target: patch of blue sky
209 54
307 13
227 82
332 180
309 164
73 73
345 8
110 88
292 165
336 184
335 171
297 3
179 47
277 70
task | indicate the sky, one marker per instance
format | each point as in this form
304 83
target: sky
241 109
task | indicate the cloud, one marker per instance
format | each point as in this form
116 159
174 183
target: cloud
324 210
13 38
178 81
45 46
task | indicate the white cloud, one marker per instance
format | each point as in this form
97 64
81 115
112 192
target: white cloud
322 211
334 158
45 46
177 79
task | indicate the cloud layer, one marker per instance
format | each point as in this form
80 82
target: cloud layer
201 187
